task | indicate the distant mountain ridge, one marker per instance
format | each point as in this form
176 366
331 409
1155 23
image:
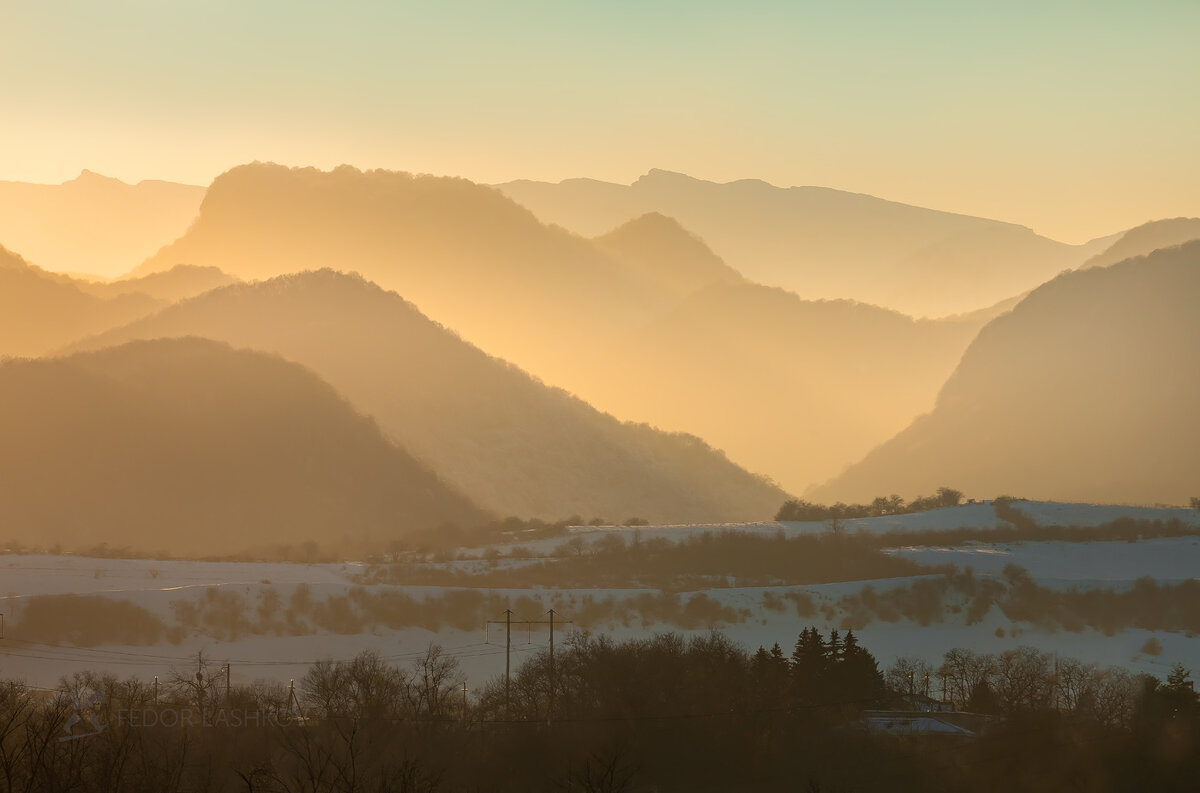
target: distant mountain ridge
1085 391
794 388
1147 238
824 243
607 318
190 447
41 311
94 223
641 318
513 444
181 281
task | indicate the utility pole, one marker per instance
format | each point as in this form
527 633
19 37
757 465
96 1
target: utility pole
292 699
508 623
200 683
1056 686
550 708
507 659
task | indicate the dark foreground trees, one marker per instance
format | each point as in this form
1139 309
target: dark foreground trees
663 713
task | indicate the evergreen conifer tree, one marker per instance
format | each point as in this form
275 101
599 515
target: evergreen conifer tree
859 679
809 664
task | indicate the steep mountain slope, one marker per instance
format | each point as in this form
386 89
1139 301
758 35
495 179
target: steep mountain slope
824 243
191 447
1147 238
792 387
1085 391
41 311
93 223
513 444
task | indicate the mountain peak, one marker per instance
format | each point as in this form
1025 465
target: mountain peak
660 176
653 221
661 249
437 395
87 177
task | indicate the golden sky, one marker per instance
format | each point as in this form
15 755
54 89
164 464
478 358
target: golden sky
1077 119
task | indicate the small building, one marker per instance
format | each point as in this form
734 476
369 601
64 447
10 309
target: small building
889 722
925 717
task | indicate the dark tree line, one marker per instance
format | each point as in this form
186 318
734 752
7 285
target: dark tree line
1123 529
797 509
662 713
707 559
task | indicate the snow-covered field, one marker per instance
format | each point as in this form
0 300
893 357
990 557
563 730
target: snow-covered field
44 574
1073 564
281 658
155 585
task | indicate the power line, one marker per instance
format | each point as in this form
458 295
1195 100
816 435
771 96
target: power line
508 623
63 652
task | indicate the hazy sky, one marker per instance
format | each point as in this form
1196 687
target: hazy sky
1075 118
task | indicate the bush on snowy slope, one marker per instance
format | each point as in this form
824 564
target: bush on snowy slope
1148 605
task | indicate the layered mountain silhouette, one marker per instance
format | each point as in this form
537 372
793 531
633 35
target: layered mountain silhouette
1147 238
513 444
1086 391
181 281
191 447
94 223
644 321
824 243
41 311
462 252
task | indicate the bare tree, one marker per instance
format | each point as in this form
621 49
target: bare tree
1023 679
1112 698
963 670
431 686
16 707
606 771
1072 680
200 687
910 676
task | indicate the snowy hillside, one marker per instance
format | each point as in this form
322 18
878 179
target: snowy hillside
979 515
1078 564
